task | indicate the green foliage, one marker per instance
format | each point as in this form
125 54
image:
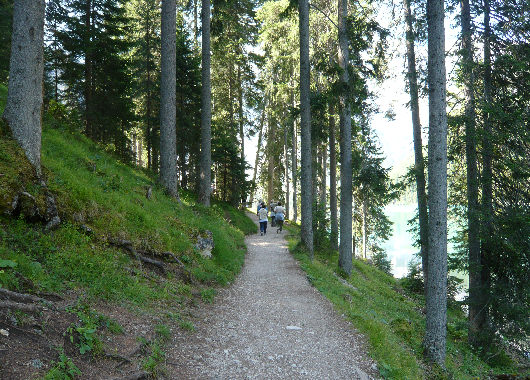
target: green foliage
413 281
93 190
87 65
63 369
381 260
162 332
208 295
391 319
502 143
154 363
85 330
6 20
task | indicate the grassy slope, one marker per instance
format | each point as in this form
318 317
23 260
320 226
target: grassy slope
391 319
93 189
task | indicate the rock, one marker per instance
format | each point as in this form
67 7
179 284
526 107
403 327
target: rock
53 223
4 332
52 215
86 229
78 217
205 244
36 363
293 328
27 204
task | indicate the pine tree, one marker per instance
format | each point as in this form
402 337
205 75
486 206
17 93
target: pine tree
6 19
24 98
305 129
436 287
168 137
206 112
345 245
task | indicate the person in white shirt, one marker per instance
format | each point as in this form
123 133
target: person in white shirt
280 216
262 216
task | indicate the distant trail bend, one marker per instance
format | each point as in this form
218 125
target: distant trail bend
270 324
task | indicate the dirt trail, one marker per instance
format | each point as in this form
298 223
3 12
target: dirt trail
270 324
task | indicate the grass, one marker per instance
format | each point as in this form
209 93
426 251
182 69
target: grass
94 190
391 319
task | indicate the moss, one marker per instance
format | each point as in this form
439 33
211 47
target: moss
16 174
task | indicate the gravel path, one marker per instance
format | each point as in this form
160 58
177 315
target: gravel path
271 324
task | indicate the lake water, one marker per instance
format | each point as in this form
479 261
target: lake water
399 247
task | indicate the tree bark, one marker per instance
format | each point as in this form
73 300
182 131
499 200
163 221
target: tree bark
240 111
346 190
333 181
89 123
271 137
436 287
286 175
323 179
305 128
168 117
365 229
294 170
473 221
23 111
260 136
481 319
140 153
419 166
206 110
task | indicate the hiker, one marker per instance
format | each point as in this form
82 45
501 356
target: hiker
273 214
259 206
280 216
262 216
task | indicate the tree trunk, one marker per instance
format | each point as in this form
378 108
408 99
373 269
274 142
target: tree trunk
365 229
256 161
323 179
23 111
481 319
206 109
140 153
168 138
286 175
436 292
305 128
294 170
333 182
241 120
135 150
475 280
270 158
89 123
419 166
346 195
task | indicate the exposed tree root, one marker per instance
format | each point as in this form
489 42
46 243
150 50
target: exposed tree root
20 297
27 307
127 246
121 359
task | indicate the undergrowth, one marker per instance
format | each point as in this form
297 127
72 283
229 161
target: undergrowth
99 200
392 319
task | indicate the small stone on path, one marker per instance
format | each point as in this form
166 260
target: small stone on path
293 328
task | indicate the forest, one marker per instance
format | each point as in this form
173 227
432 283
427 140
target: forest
181 92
